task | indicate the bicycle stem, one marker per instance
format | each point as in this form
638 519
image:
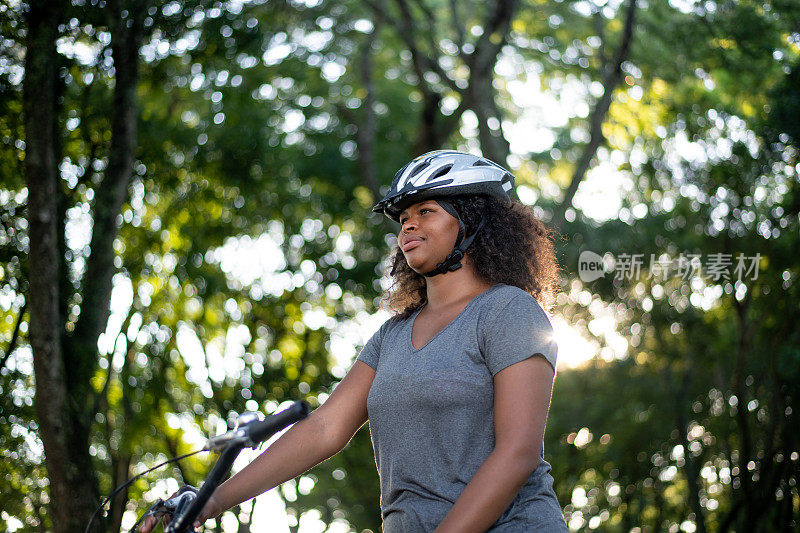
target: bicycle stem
215 478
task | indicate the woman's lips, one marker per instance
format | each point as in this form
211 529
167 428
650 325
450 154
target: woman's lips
411 243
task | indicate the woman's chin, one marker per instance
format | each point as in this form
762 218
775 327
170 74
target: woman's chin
418 266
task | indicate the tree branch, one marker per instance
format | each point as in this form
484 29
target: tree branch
601 33
419 59
481 89
172 447
93 147
681 393
460 36
739 388
494 36
12 345
407 34
611 79
430 23
101 397
365 137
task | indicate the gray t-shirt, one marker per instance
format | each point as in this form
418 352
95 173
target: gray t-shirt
431 411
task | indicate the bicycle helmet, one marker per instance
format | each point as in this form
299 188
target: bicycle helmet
441 174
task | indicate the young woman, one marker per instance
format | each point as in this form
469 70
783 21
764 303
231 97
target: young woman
456 386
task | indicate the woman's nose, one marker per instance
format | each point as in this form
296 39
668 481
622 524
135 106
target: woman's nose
408 225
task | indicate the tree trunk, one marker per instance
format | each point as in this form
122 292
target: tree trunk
482 94
367 126
120 467
493 144
691 466
73 496
743 424
81 352
63 366
126 31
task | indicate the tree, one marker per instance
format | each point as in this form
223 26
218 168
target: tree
231 232
706 381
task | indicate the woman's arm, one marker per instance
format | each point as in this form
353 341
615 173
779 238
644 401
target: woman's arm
324 433
521 401
309 442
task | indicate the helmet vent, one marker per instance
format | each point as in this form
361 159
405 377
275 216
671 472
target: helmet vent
439 173
482 163
422 166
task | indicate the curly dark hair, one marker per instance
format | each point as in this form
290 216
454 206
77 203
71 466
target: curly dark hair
513 247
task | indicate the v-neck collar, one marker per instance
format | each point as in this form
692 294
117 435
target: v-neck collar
413 319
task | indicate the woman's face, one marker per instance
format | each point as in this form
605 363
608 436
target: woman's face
427 234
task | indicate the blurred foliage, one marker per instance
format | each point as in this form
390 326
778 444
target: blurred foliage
248 257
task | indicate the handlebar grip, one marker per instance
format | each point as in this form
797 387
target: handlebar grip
258 432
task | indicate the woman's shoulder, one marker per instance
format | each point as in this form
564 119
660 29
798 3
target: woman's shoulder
503 291
390 328
501 295
393 323
507 302
514 327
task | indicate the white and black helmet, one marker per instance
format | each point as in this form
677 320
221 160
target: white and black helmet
444 173
437 176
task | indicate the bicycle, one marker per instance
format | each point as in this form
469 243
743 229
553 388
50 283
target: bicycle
185 506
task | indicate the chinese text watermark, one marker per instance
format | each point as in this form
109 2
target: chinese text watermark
627 266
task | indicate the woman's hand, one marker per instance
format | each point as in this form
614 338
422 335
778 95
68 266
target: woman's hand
211 509
149 523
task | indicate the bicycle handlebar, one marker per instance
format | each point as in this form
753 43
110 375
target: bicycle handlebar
231 443
254 432
259 431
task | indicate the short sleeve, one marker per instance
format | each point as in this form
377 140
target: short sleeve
370 353
515 331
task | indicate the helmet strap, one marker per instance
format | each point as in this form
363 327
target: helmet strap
453 260
447 206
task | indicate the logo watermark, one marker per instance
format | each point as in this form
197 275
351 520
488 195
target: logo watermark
626 266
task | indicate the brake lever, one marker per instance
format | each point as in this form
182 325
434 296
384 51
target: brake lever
170 507
178 503
237 435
